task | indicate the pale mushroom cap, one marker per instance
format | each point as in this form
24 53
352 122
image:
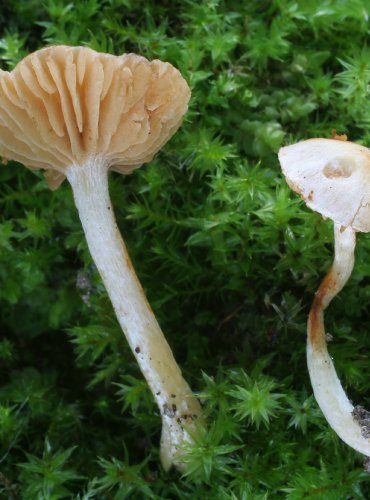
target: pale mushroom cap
62 104
333 178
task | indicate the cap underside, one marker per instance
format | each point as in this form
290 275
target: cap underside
62 104
333 178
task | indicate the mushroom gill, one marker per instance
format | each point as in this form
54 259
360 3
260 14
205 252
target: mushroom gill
62 105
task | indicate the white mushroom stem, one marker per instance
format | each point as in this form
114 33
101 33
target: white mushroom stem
327 388
179 409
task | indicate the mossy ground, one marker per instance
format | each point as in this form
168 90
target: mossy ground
229 257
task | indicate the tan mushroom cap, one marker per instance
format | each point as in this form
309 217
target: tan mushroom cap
61 105
333 178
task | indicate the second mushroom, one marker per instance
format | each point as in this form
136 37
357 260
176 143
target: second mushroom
77 114
332 176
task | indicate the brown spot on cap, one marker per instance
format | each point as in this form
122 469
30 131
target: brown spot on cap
338 137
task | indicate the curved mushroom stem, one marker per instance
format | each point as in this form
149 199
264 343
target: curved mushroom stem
179 409
327 388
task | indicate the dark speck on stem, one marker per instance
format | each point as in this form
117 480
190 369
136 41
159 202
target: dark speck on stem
362 417
169 412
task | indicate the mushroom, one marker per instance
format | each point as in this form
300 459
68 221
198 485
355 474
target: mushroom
332 176
77 114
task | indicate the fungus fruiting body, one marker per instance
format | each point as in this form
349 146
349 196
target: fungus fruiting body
77 114
332 176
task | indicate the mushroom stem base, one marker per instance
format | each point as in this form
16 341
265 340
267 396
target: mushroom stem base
180 410
327 388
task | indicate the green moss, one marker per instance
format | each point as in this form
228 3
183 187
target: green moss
228 255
